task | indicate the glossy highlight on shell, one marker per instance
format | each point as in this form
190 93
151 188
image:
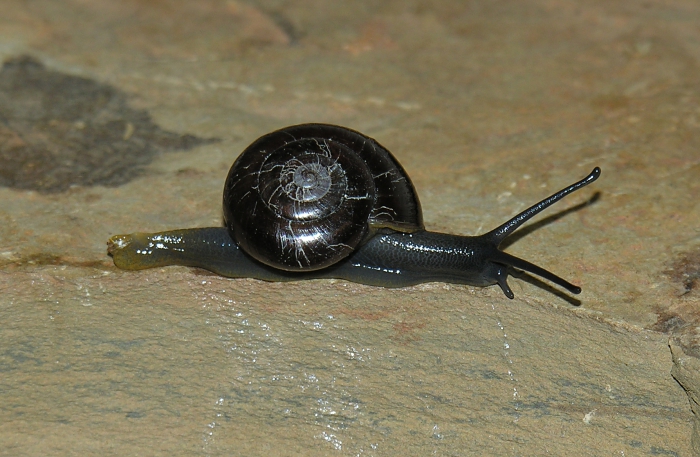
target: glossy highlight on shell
301 199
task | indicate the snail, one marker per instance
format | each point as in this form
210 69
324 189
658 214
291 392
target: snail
323 201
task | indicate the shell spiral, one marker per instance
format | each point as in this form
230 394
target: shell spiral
304 197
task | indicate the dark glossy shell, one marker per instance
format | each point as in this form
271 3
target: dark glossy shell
304 197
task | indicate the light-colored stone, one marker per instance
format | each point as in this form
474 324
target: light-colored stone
490 106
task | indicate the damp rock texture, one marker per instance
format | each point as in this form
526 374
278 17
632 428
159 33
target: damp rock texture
59 130
121 117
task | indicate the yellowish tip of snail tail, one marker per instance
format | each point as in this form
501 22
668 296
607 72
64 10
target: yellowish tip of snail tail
117 242
121 248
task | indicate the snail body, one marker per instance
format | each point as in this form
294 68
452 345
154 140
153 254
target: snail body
322 201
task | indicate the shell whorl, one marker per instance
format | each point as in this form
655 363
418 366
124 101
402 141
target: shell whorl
304 197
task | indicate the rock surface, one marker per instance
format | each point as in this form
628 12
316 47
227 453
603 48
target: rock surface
490 106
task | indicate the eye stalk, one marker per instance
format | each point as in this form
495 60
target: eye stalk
500 233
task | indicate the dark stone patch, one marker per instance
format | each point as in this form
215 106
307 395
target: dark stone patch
686 270
662 451
58 131
287 27
668 323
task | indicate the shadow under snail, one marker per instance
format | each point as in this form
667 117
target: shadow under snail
323 201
